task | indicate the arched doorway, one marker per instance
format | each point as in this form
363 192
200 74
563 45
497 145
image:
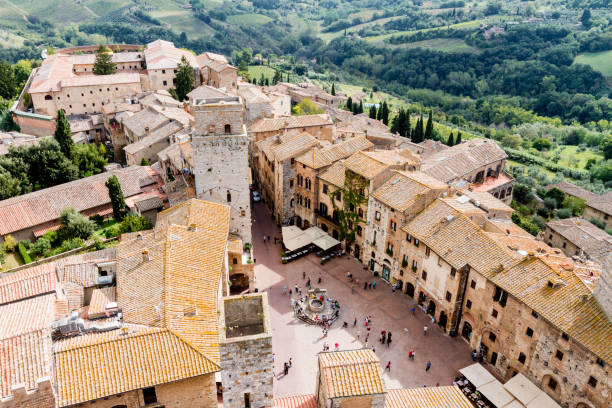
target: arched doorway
442 320
335 234
431 308
422 298
306 224
239 282
298 221
324 227
386 272
357 251
409 289
466 332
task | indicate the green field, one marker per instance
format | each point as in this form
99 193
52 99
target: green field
251 18
12 260
465 24
255 71
599 61
572 158
441 44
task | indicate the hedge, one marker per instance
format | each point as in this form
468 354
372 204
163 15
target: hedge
528 158
24 253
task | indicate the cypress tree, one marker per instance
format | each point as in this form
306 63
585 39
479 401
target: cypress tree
401 122
116 196
418 131
380 112
349 104
104 62
385 114
185 79
395 124
361 106
407 122
373 111
451 140
333 90
144 162
429 127
458 141
63 134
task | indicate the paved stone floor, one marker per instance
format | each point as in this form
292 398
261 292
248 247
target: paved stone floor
390 311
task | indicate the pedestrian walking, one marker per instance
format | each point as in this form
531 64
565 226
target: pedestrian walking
365 322
336 347
388 367
370 285
320 279
411 354
290 292
393 288
373 349
284 289
413 310
304 275
286 369
374 285
388 339
428 365
367 337
355 322
474 355
290 362
425 330
308 283
358 334
365 285
381 339
296 288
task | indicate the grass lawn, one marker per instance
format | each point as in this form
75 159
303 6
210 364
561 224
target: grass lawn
12 260
441 44
251 18
571 152
599 61
255 71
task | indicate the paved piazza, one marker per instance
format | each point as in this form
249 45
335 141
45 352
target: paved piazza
390 311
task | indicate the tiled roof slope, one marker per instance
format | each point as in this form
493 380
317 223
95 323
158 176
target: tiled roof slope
335 174
274 124
364 165
351 373
602 203
431 397
89 367
403 189
294 146
595 242
299 401
459 160
26 283
45 205
318 158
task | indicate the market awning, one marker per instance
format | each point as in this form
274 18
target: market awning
291 232
523 390
543 401
477 375
326 242
496 394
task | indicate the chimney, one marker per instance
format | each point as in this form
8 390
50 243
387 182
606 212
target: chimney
192 227
145 255
146 131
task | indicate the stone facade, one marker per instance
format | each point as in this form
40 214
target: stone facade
41 397
246 352
307 187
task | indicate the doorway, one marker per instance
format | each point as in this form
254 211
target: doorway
410 289
386 272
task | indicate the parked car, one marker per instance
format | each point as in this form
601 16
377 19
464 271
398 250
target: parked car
256 197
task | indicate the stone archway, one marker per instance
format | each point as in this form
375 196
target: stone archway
431 308
466 332
298 221
306 224
442 320
239 283
410 289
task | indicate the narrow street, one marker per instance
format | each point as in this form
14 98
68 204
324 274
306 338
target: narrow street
390 311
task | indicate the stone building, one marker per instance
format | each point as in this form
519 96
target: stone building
477 161
309 167
221 155
261 103
162 59
319 126
364 172
578 237
246 351
390 206
216 71
596 205
275 171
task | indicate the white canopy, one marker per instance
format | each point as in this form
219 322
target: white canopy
543 401
523 390
477 375
494 391
294 238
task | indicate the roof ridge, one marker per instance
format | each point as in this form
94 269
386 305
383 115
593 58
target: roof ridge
192 346
150 330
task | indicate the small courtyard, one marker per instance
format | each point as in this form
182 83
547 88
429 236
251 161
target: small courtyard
292 338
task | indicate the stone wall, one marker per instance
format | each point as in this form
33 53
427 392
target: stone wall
590 212
556 240
40 397
306 214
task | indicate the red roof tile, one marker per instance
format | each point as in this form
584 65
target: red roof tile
27 283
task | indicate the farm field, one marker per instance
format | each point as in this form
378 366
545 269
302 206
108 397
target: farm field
465 24
599 61
441 44
250 18
255 71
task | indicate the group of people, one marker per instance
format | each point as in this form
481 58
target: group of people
385 337
287 365
369 285
266 239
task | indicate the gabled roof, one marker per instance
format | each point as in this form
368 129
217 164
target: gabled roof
27 283
335 174
162 54
299 401
286 146
32 209
289 122
462 159
595 242
205 92
602 203
351 373
158 135
404 189
430 397
317 158
365 165
89 367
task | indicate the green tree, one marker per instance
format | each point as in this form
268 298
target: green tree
103 64
372 112
76 225
7 124
556 194
606 147
418 131
8 85
349 104
185 79
333 90
46 164
574 204
63 134
41 246
133 223
451 140
585 19
385 113
542 143
307 107
116 196
144 162
458 140
89 160
429 127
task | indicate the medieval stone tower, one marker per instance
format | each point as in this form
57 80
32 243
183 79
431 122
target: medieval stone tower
246 351
221 152
603 291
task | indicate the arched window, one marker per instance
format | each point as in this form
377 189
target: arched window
291 203
229 197
228 128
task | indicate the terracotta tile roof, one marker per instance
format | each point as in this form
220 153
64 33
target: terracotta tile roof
183 270
95 80
365 165
487 201
26 316
162 54
395 157
351 373
32 209
430 397
293 146
82 273
97 365
602 203
334 174
205 92
317 158
404 189
595 242
454 237
253 95
210 56
150 202
26 283
99 299
289 122
159 98
299 401
459 160
158 135
568 305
